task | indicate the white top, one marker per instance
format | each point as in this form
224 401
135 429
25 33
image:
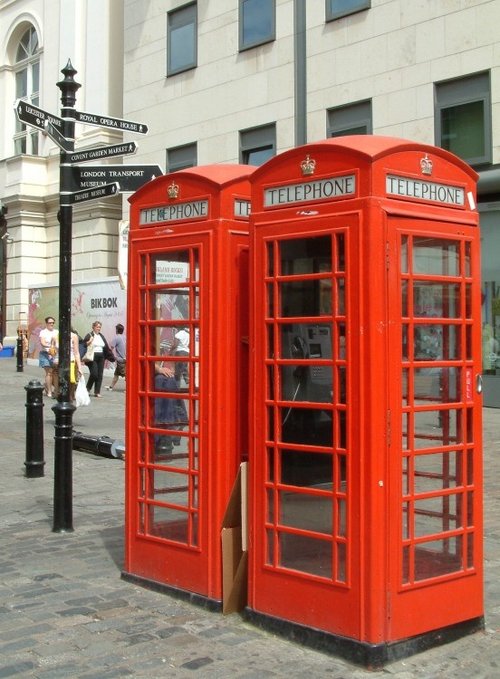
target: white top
98 344
46 336
182 338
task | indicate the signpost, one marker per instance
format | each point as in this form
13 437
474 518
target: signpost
91 194
130 177
101 153
74 189
57 137
106 121
29 114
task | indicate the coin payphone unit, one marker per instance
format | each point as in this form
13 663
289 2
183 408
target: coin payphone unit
365 467
187 373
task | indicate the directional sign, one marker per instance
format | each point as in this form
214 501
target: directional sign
106 121
130 177
29 114
102 152
91 194
57 137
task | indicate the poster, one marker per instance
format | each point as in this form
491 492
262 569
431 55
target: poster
103 301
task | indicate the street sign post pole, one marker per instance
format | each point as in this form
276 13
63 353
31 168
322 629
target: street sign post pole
117 178
64 409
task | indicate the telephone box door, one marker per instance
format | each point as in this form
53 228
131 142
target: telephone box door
168 517
307 464
435 453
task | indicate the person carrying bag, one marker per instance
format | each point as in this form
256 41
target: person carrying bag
98 348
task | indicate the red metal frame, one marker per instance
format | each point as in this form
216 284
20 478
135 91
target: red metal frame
439 521
338 549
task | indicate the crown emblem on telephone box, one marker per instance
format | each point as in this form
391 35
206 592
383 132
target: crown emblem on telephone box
308 166
426 165
173 190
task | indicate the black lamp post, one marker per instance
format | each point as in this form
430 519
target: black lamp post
63 450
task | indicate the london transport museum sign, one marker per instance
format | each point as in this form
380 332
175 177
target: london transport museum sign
96 181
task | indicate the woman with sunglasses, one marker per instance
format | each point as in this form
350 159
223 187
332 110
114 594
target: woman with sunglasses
47 359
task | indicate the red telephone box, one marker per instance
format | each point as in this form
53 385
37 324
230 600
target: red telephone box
365 475
187 376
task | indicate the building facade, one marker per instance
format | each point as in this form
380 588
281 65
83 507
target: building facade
239 81
242 80
37 38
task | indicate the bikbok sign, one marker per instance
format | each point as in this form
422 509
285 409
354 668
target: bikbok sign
104 301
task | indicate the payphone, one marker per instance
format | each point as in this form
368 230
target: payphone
365 467
187 374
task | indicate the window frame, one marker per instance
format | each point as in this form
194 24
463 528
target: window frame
358 6
250 44
468 89
258 138
27 139
364 117
175 20
185 152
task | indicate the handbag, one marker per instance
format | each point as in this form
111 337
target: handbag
108 354
88 356
82 397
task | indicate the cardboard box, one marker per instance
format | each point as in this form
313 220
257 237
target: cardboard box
234 546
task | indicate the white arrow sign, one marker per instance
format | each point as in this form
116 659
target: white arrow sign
87 155
29 114
107 121
91 194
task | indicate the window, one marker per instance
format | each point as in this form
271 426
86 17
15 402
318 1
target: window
351 119
182 39
463 117
180 157
257 22
27 74
257 144
341 8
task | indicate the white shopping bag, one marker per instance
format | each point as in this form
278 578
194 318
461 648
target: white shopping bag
82 397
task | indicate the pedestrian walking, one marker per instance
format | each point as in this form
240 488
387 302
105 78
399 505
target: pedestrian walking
47 358
98 351
119 347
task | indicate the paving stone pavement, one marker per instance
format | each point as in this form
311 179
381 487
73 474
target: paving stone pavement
66 613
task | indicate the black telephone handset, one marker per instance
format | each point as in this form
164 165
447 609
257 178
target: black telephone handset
299 348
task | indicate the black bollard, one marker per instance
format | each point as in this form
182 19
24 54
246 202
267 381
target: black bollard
63 468
19 353
34 430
